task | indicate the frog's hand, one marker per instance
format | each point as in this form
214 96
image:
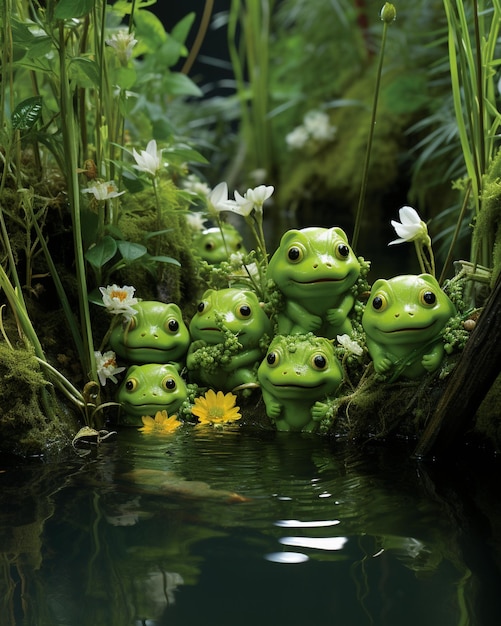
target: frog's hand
432 360
383 365
336 316
273 408
301 317
319 411
247 358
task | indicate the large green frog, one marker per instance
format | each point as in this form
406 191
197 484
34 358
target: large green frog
149 388
315 269
296 376
403 321
228 332
155 334
217 244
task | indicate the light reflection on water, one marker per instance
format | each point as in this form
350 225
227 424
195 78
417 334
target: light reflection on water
245 528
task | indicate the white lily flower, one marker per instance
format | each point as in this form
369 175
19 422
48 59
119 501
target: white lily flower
217 199
122 42
119 300
107 367
149 160
104 191
410 228
253 199
243 205
350 345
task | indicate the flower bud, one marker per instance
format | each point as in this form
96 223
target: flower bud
388 13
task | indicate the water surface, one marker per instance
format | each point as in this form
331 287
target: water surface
243 527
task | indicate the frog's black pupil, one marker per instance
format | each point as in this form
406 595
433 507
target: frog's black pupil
173 325
271 358
320 361
429 297
129 385
170 383
238 246
209 245
294 254
200 307
343 249
245 310
377 303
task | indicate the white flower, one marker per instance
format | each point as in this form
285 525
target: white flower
104 191
196 186
149 161
119 300
107 367
297 138
253 199
122 42
350 345
318 126
196 221
217 199
410 228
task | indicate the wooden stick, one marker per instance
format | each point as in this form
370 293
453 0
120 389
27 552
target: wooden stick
475 372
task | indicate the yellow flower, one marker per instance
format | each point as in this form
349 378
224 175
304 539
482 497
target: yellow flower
162 424
216 408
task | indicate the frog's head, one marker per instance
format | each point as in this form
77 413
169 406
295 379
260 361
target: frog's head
406 309
215 246
300 367
155 334
313 262
151 387
236 310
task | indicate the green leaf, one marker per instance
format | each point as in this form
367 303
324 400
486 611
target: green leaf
124 7
131 251
183 27
27 113
126 77
102 252
149 31
165 259
82 68
182 153
178 84
68 9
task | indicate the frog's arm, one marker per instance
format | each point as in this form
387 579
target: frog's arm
431 360
339 314
273 408
303 318
383 361
319 410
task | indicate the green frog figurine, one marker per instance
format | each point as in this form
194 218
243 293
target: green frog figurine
315 269
296 376
149 388
215 246
156 334
228 332
403 321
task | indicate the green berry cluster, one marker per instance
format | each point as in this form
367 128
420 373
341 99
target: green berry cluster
454 334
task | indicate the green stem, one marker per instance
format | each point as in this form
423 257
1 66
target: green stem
365 171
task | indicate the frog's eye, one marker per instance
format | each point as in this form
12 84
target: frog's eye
427 297
379 302
173 326
243 311
295 254
131 384
318 361
202 306
238 246
169 383
342 251
209 245
272 359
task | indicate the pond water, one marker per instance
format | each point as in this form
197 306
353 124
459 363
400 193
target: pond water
244 527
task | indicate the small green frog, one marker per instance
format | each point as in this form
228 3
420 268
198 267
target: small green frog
215 246
403 321
156 334
315 269
149 388
227 332
298 373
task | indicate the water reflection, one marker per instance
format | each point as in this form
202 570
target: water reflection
243 527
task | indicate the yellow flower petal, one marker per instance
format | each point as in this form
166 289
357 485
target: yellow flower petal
163 424
216 408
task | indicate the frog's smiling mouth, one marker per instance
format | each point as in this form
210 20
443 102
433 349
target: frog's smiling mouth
296 386
406 329
318 280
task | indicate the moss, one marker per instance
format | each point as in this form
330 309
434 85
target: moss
487 228
25 426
